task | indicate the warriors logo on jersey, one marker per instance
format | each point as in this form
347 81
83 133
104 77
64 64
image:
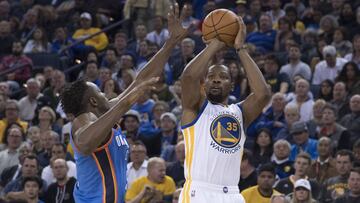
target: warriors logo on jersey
225 131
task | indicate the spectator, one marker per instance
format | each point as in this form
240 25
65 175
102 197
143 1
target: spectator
144 106
176 169
6 38
302 192
33 134
340 100
153 127
61 41
92 73
298 6
280 159
17 59
30 168
355 55
274 117
110 60
156 186
323 167
3 99
276 12
11 116
293 14
180 60
61 191
189 20
120 44
239 80
47 120
57 84
285 32
264 38
262 149
340 137
347 16
315 123
138 165
161 91
337 186
130 125
110 88
263 190
340 42
255 9
354 188
301 165
310 16
14 172
98 42
58 151
350 75
351 121
279 199
326 90
328 68
104 75
29 23
28 103
303 143
31 191
309 45
292 115
296 66
38 43
48 139
140 36
303 99
167 136
328 24
279 82
160 34
248 174
14 136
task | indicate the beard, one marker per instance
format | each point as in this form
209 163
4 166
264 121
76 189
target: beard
16 53
216 98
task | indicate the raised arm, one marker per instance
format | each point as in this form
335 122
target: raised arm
192 97
260 96
155 67
95 131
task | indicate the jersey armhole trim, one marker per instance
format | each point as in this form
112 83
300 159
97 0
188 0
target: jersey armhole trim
197 117
107 143
242 114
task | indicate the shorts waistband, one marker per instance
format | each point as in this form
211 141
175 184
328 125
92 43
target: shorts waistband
214 188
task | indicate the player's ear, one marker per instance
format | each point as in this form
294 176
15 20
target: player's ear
93 101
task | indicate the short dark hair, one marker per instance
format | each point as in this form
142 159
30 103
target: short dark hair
355 170
72 97
62 145
33 157
330 107
274 58
267 167
345 152
357 144
248 155
32 179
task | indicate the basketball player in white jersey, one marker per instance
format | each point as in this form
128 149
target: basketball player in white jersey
214 131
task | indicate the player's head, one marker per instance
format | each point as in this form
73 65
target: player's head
218 83
81 97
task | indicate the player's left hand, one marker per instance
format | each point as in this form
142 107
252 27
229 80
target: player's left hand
241 35
176 31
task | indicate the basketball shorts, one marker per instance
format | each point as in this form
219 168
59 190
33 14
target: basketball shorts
200 192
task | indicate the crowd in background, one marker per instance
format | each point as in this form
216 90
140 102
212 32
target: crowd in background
304 147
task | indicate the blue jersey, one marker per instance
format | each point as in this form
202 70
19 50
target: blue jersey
101 176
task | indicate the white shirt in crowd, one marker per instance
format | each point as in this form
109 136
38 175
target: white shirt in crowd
300 68
27 108
133 174
323 71
48 175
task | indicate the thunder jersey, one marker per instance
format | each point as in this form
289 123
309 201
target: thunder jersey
101 176
214 143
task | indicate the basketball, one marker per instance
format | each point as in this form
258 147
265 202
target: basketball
221 23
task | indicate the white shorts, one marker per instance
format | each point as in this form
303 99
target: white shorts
200 192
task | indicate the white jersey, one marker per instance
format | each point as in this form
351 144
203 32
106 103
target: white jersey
214 144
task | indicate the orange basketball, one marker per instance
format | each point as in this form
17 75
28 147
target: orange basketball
221 23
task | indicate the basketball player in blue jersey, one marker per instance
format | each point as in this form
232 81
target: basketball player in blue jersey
213 130
100 149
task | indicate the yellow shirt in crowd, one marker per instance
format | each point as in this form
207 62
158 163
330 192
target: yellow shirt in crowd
99 42
167 187
252 195
4 123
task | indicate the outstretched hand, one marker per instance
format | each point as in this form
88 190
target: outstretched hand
241 35
176 30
